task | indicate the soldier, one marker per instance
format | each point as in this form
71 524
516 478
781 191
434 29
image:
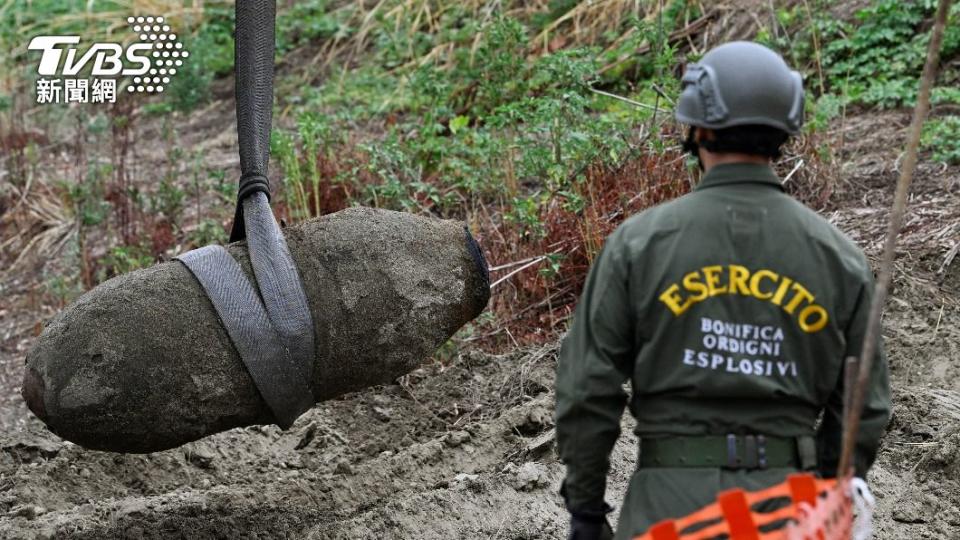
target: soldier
730 310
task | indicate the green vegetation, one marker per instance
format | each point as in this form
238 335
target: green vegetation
468 122
123 259
462 125
875 59
942 136
878 58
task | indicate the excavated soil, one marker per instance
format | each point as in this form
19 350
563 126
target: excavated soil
464 448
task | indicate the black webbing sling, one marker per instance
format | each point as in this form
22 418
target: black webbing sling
272 330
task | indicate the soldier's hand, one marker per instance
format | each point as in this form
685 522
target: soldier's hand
584 528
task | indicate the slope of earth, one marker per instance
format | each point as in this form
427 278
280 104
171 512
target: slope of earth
917 476
464 449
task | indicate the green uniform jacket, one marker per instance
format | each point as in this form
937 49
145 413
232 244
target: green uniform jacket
730 310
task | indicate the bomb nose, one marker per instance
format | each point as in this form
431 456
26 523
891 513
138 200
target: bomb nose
33 391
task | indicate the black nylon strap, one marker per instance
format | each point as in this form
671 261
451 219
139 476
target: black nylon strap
253 183
274 332
279 281
253 87
280 380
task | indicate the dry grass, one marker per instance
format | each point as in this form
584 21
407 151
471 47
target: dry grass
43 224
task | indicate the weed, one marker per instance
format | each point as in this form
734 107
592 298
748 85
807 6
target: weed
208 231
222 186
942 137
87 198
191 87
824 109
283 149
306 22
63 288
167 200
123 259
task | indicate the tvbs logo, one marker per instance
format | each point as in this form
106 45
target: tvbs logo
151 62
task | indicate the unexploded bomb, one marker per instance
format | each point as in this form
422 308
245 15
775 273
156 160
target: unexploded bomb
142 362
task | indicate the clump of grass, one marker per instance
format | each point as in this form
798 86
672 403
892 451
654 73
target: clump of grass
942 137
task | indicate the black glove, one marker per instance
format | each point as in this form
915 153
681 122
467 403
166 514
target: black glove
589 528
587 523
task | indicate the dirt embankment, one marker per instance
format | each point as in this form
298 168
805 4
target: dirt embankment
464 449
917 476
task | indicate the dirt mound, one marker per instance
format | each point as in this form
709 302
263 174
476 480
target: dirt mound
452 451
916 479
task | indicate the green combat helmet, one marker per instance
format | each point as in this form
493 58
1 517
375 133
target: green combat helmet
741 83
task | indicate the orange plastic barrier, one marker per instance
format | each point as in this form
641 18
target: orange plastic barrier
818 510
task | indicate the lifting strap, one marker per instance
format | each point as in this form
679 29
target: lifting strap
272 330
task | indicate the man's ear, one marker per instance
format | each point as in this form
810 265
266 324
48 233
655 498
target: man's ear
703 134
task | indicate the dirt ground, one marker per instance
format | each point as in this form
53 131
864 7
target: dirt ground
464 449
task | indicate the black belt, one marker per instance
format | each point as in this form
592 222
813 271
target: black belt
748 452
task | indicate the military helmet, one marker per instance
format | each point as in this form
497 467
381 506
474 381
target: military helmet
741 83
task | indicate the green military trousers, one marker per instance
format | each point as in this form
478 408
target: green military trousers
658 493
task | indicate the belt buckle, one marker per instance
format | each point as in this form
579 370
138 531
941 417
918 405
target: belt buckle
750 454
754 454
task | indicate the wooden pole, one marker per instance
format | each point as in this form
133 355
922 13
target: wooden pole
852 424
